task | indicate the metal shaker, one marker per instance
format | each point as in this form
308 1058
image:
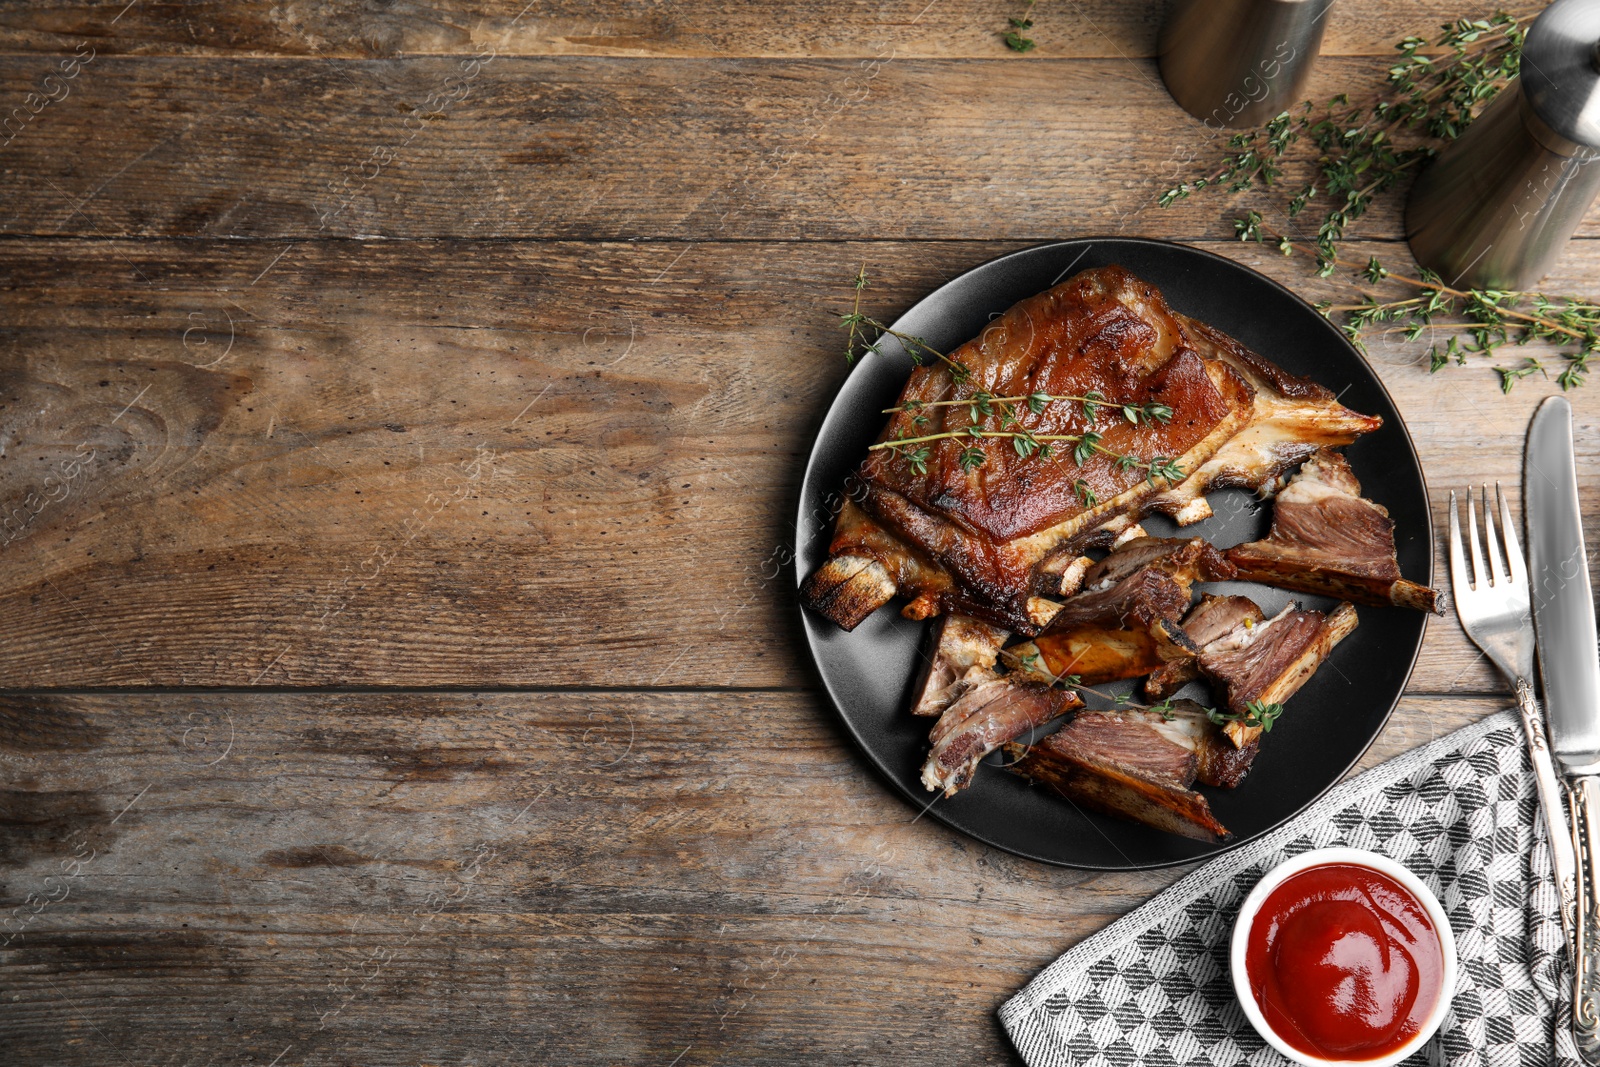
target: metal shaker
1240 62
1497 207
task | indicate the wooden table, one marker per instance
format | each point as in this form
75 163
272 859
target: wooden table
403 413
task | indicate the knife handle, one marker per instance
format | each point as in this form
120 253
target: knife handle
1557 831
1585 799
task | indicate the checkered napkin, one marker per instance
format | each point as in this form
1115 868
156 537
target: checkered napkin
1154 987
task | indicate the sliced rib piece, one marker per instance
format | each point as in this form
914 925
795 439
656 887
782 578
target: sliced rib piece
989 712
1185 559
849 588
1125 623
1186 724
1326 538
1279 656
1290 419
956 644
1215 623
1119 765
1122 632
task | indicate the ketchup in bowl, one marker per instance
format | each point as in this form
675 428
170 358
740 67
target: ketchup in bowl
1344 962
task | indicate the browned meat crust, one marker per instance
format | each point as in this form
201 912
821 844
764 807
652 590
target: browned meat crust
848 588
987 530
999 542
1125 631
988 713
956 645
1186 724
1290 419
1280 656
1125 623
1120 765
1209 622
1326 538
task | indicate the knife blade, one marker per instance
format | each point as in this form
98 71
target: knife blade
1563 603
1569 667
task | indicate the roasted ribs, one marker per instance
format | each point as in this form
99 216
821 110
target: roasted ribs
1326 538
956 645
987 541
1125 621
1217 622
1268 663
990 711
1121 765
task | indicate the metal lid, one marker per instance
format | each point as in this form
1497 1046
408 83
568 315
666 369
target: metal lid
1561 69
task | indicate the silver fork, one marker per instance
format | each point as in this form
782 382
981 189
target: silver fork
1494 609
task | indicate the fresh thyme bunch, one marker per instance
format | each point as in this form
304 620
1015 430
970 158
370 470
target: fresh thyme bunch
982 405
1487 318
1364 150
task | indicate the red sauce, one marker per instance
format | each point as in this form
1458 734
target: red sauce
1344 962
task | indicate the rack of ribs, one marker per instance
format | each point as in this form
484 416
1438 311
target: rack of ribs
998 542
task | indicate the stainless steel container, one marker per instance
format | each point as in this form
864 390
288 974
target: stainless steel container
1497 207
1240 62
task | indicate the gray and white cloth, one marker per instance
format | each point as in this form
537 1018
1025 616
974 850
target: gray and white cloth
1461 812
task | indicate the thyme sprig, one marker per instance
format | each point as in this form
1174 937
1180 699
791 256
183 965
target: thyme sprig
1364 150
985 403
1254 714
1026 443
1489 318
1013 37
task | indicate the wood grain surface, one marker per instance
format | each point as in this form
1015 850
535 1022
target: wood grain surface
701 29
402 412
621 149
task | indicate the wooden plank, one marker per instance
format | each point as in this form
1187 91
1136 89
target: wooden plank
459 463
689 28
585 878
589 148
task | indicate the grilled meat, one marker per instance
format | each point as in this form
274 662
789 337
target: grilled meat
990 711
1272 660
1290 419
1103 331
1184 559
1125 622
1326 538
1186 724
1214 623
1001 541
956 645
1122 632
1120 765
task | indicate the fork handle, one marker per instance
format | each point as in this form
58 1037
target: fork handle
1563 860
1585 798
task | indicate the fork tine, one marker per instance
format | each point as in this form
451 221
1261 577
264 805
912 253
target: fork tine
1508 529
1492 543
1480 575
1459 579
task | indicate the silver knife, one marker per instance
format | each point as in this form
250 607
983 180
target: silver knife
1563 616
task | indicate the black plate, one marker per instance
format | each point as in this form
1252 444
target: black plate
1328 724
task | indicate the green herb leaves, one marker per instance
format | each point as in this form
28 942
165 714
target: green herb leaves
1358 152
1013 37
1355 153
1254 714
